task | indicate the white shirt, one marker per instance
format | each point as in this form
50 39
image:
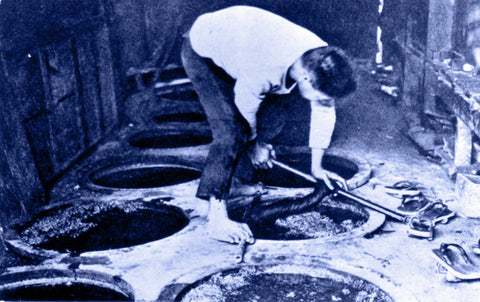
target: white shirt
256 48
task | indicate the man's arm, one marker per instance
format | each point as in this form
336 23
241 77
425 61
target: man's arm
248 98
321 128
317 156
317 170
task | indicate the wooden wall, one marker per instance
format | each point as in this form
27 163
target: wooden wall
58 98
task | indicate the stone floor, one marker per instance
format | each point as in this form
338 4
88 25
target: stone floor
368 125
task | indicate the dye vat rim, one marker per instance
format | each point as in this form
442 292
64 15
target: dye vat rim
364 169
86 172
15 278
374 221
202 133
361 177
25 249
175 291
107 170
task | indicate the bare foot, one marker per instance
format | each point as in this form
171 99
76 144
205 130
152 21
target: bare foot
224 229
221 228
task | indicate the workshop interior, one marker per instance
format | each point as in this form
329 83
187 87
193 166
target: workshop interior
103 142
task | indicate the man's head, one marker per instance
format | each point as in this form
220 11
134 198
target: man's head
326 70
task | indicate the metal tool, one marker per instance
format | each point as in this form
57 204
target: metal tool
362 201
417 226
294 171
242 246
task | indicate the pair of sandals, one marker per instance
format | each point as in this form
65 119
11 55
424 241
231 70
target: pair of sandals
411 193
424 213
414 203
423 224
455 260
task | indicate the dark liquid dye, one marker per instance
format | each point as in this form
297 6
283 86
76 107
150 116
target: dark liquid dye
175 140
234 286
144 177
281 178
63 292
97 226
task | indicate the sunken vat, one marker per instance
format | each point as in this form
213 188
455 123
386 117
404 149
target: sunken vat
180 117
143 176
137 172
92 225
170 138
313 216
355 170
44 284
280 283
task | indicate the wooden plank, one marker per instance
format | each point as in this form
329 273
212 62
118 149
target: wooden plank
63 105
20 183
412 99
89 88
107 79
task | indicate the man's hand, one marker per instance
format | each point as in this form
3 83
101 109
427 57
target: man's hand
328 177
261 155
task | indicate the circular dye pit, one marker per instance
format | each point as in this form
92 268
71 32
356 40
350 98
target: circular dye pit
354 170
329 219
143 176
169 139
180 95
333 218
92 225
282 283
184 117
63 285
312 216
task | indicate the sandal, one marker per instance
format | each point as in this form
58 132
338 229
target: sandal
420 227
403 188
476 248
437 212
455 259
413 204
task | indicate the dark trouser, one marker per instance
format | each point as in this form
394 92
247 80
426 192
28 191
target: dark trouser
230 130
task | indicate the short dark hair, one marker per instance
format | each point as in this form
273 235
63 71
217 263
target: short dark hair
331 70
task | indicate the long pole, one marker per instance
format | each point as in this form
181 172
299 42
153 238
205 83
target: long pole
344 193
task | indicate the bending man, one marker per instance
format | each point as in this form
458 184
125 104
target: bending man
234 57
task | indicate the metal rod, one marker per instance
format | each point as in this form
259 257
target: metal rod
295 171
242 246
358 199
372 205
